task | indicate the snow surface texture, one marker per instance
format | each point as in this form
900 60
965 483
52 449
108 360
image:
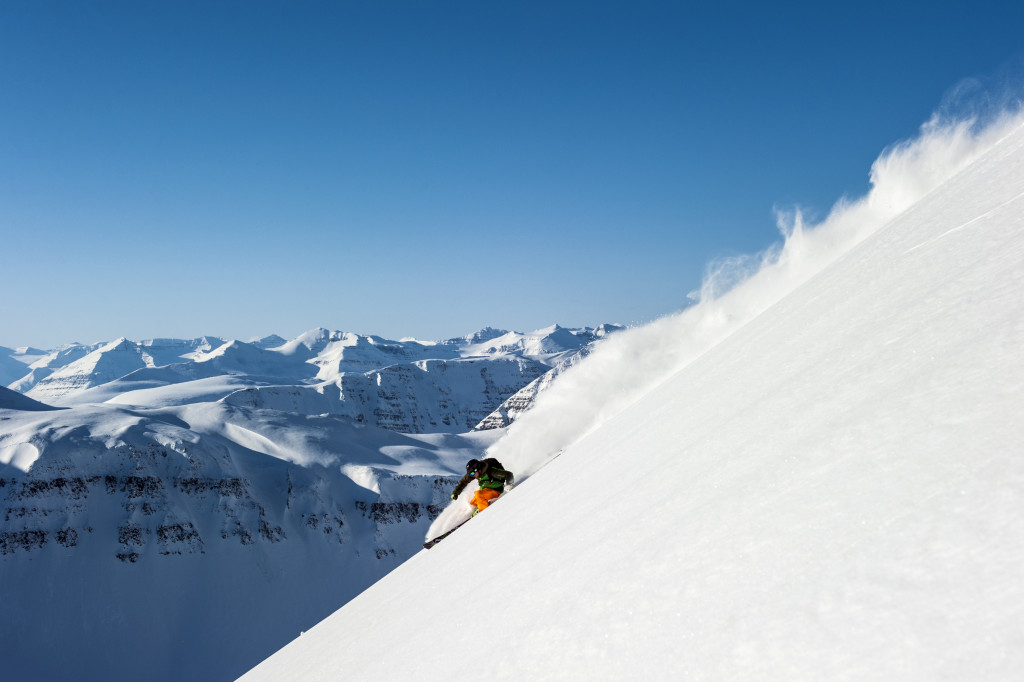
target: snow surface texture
819 479
185 508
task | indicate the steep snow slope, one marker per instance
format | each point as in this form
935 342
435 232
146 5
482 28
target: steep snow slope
831 490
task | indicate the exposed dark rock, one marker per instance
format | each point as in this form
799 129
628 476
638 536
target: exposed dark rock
22 539
131 534
226 487
67 537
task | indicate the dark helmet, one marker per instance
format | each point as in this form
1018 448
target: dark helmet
473 465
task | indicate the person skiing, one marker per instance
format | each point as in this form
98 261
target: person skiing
491 476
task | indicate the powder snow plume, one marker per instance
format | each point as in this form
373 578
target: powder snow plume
627 365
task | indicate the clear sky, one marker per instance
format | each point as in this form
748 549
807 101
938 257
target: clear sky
428 168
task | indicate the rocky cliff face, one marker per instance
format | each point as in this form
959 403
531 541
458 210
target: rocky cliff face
429 396
159 510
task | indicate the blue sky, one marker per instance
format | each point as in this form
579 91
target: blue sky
429 168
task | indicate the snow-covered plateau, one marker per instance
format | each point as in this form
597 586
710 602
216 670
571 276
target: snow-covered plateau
817 475
180 509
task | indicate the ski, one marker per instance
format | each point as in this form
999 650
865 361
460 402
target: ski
430 543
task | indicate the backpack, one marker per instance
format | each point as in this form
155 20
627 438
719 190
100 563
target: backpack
493 474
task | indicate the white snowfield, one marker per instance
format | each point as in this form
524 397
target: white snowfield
829 487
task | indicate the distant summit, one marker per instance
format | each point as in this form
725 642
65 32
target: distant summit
482 336
272 341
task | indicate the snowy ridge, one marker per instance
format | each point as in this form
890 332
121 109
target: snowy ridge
11 400
408 386
828 470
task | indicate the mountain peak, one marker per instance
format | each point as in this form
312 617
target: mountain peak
484 335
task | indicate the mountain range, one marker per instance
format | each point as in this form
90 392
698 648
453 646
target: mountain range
225 495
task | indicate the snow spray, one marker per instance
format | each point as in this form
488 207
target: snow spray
625 366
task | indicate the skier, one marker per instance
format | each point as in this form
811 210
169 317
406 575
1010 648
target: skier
491 476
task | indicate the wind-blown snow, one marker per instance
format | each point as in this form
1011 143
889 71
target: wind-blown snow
818 476
625 366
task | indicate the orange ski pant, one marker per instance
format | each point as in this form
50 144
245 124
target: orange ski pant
483 497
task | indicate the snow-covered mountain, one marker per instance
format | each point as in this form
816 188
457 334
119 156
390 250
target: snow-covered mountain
816 476
11 368
179 509
407 386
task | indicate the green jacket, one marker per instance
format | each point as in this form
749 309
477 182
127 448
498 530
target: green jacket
491 475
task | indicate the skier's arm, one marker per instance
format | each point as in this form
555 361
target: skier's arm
461 485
